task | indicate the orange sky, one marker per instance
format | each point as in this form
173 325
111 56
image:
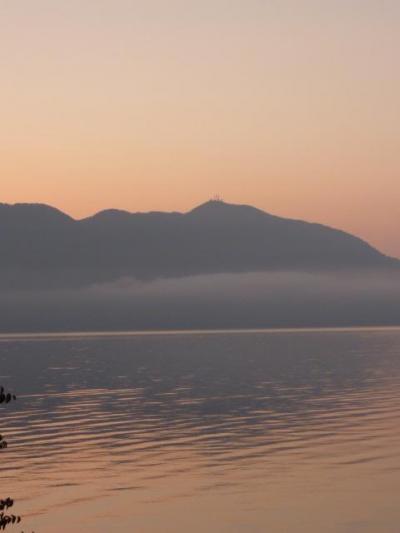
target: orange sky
289 105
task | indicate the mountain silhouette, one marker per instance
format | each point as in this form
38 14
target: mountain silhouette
45 248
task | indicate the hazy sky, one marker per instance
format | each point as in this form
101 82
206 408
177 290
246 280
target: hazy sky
290 105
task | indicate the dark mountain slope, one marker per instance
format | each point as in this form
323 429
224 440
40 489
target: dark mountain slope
42 247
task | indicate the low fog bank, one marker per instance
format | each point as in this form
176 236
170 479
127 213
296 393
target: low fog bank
257 300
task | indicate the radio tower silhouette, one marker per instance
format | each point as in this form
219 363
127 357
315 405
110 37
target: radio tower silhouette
217 198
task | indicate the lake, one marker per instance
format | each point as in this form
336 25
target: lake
280 431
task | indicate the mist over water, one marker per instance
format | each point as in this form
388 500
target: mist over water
252 300
221 432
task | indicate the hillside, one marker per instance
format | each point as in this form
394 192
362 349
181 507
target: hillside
43 247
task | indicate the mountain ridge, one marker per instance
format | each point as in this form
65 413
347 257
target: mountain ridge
42 246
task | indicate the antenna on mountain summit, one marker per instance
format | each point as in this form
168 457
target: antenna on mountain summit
216 198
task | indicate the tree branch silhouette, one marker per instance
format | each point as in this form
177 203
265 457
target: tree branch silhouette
6 518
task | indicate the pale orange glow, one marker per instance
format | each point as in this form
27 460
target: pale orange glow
290 106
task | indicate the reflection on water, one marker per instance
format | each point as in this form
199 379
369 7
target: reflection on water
227 432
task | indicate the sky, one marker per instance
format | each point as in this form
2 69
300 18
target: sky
289 105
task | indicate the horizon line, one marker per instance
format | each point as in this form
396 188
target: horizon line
171 332
94 213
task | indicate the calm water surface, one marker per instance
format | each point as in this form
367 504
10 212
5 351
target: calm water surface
224 432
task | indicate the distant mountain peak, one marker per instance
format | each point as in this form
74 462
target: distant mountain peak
210 205
216 208
112 214
34 211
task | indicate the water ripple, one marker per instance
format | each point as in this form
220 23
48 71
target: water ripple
136 425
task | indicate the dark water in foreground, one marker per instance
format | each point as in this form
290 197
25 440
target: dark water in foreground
225 432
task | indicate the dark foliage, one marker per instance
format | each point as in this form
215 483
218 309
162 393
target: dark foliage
6 518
